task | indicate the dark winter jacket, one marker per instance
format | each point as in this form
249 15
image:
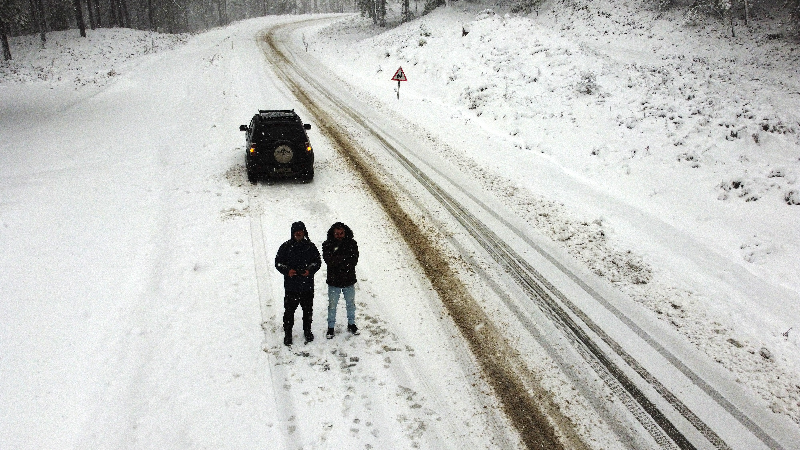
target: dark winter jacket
299 255
341 257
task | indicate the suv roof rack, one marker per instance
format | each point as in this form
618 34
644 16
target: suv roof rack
278 114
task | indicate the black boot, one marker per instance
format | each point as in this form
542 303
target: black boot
353 328
308 335
329 334
287 339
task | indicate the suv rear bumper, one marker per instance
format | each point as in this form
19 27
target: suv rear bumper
279 170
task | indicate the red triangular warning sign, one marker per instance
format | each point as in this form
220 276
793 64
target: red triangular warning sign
399 75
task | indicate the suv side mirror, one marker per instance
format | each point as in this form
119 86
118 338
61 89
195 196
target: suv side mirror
307 126
242 127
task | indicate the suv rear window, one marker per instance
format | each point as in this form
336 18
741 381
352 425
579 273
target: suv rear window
279 132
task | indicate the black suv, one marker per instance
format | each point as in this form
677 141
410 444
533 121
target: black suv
278 146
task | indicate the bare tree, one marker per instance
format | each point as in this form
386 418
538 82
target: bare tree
430 5
10 14
4 39
79 17
222 9
38 18
405 14
125 16
380 12
746 13
96 11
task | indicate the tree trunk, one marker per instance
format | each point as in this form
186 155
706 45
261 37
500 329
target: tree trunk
406 11
222 8
92 24
150 20
381 12
125 16
746 13
4 38
97 12
113 13
79 17
37 16
44 8
34 14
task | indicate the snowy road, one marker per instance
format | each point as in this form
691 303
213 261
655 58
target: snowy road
140 307
679 399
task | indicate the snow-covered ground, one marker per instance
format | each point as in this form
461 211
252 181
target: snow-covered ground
140 308
136 273
663 155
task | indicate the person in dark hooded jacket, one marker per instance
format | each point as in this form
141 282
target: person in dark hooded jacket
298 260
340 252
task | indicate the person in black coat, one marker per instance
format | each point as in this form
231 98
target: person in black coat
298 260
340 252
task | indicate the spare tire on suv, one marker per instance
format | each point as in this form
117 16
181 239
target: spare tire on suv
278 146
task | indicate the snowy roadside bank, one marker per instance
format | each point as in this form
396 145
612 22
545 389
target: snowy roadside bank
673 177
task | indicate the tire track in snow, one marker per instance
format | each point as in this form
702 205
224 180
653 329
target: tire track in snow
541 290
418 417
418 420
567 315
538 426
408 373
285 407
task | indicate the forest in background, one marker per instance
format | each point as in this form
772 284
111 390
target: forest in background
29 17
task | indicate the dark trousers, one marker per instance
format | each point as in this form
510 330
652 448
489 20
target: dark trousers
290 302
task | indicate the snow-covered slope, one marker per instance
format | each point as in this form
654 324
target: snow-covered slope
660 152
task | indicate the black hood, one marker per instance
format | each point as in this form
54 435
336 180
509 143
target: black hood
348 233
298 226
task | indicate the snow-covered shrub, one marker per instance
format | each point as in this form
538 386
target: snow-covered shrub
777 173
622 267
525 6
693 16
777 127
476 97
739 188
690 157
588 83
430 5
665 4
792 197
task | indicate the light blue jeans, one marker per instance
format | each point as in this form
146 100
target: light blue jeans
349 300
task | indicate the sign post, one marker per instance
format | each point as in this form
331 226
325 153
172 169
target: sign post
399 76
